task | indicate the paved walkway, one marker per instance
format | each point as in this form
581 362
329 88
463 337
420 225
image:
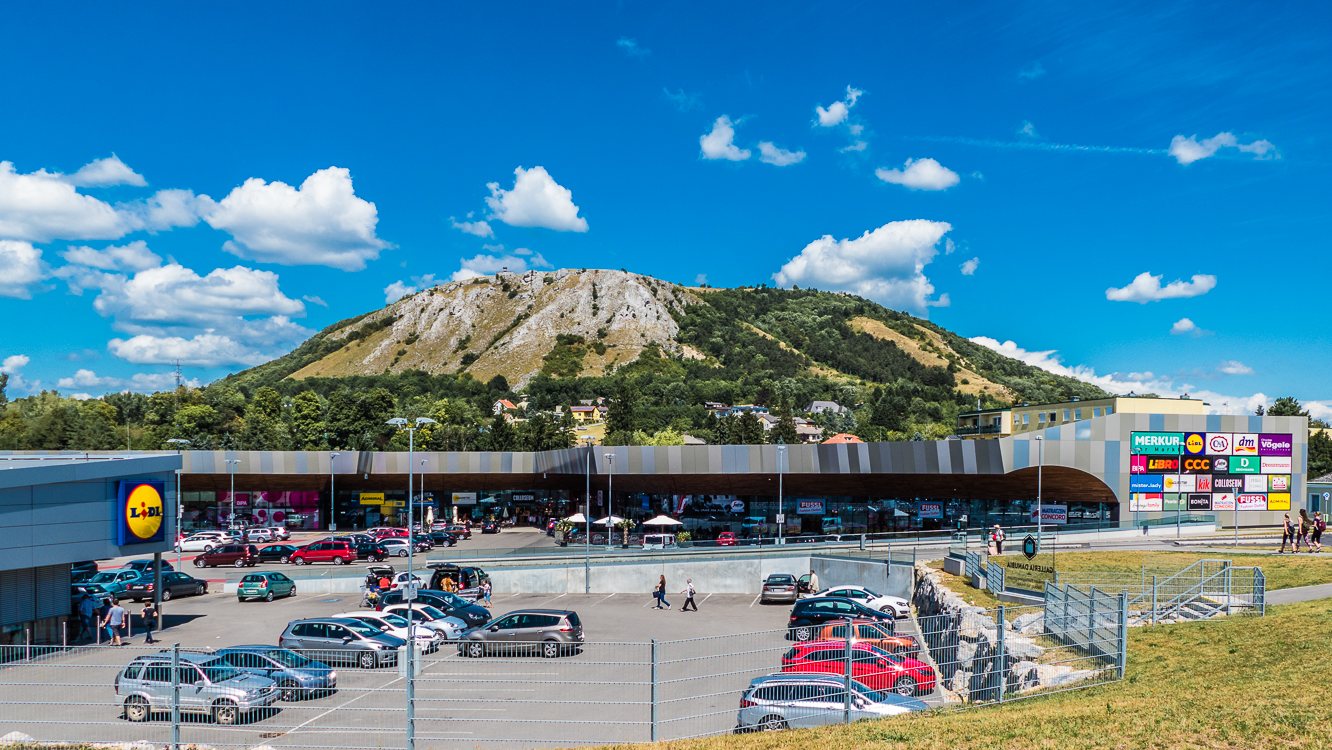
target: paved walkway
1300 594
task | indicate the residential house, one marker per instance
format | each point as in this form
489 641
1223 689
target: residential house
841 438
828 406
502 406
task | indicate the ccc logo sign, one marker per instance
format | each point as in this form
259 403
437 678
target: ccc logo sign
1197 464
143 511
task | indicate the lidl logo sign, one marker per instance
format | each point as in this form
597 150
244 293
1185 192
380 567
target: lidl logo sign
141 512
1195 444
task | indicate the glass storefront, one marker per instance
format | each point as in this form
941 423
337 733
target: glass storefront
356 509
297 510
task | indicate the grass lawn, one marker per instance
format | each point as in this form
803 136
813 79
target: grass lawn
1243 682
1281 572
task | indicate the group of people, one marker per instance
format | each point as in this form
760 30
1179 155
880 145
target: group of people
113 619
1308 531
659 593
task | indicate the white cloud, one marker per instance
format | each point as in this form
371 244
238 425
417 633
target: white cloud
399 289
484 265
20 268
700 279
1147 288
920 174
536 200
1189 150
14 364
969 267
105 173
632 48
321 223
1186 327
1235 367
174 208
885 265
1031 72
13 367
314 300
854 147
42 206
837 112
203 350
145 382
777 156
478 228
720 143
682 100
1028 130
134 256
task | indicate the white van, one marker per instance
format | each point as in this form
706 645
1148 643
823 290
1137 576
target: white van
659 541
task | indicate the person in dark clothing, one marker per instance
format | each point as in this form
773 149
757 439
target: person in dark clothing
659 594
149 615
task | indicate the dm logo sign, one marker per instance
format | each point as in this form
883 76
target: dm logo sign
141 508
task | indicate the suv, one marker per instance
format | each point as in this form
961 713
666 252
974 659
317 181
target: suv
808 614
877 669
549 632
473 615
239 555
467 580
210 686
807 700
335 638
297 677
338 553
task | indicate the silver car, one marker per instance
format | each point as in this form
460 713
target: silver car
782 701
331 639
297 677
779 587
548 632
451 628
208 686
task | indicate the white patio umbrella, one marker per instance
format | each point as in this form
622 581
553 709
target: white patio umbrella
577 518
663 520
612 519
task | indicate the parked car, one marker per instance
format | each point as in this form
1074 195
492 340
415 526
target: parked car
267 586
427 638
439 526
876 669
82 571
779 587
459 530
258 534
659 541
145 565
395 546
895 605
211 687
490 527
387 532
279 533
115 581
338 553
201 541
369 549
296 676
337 639
873 633
443 538
785 700
277 553
466 579
450 604
726 539
98 594
548 632
450 628
236 555
173 584
810 613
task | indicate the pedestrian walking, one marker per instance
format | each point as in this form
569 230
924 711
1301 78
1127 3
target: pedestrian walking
998 537
659 593
485 591
1306 526
689 596
1316 535
149 615
87 617
814 587
1287 534
114 622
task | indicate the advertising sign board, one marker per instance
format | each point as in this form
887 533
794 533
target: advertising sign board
1251 502
1195 444
1050 513
1278 482
1170 501
1157 443
372 498
1162 465
141 512
1170 483
1146 483
929 510
1188 483
1273 465
1244 465
1223 501
1137 464
1218 443
1149 501
1275 445
1220 483
1255 483
1200 502
1278 501
1196 465
464 498
815 507
1244 444
1204 482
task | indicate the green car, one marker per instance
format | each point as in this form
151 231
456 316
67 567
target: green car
266 586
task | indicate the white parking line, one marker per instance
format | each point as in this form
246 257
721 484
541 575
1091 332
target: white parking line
706 597
599 601
751 604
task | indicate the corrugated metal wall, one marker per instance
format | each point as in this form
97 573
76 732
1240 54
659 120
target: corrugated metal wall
31 594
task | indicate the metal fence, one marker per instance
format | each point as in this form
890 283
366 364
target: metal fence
1169 592
994 577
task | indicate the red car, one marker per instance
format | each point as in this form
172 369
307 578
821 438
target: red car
384 532
338 553
874 668
726 539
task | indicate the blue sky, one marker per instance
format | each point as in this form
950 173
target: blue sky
1132 193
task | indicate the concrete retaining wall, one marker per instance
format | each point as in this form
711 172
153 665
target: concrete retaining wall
876 575
711 576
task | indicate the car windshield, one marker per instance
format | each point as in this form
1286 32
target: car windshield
453 600
396 621
431 612
870 594
252 578
220 671
781 579
361 628
103 578
287 658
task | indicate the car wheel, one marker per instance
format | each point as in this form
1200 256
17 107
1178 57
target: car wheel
239 563
772 723
368 660
550 649
476 650
199 562
137 709
402 553
298 560
225 712
286 559
268 597
293 590
208 548
804 633
201 589
905 686
337 560
166 595
290 690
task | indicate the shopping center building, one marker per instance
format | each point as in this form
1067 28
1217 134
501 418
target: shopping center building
1116 470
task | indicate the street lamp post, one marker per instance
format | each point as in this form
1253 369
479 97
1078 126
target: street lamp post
610 499
587 520
781 527
333 496
409 592
231 472
157 576
1040 465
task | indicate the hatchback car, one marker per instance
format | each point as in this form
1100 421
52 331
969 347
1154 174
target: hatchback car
338 553
236 555
466 579
780 701
209 686
726 539
279 533
471 613
490 527
347 641
877 669
442 539
427 638
280 553
808 614
115 581
779 587
548 632
450 628
146 565
388 532
259 534
296 676
896 605
173 584
371 550
266 586
460 531
873 633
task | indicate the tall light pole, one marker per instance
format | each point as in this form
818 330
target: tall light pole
231 472
409 592
1040 466
157 575
333 496
610 499
587 520
781 457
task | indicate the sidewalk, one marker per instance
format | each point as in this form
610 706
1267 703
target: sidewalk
1300 594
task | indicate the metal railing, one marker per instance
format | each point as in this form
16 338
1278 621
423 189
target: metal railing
1202 589
994 578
